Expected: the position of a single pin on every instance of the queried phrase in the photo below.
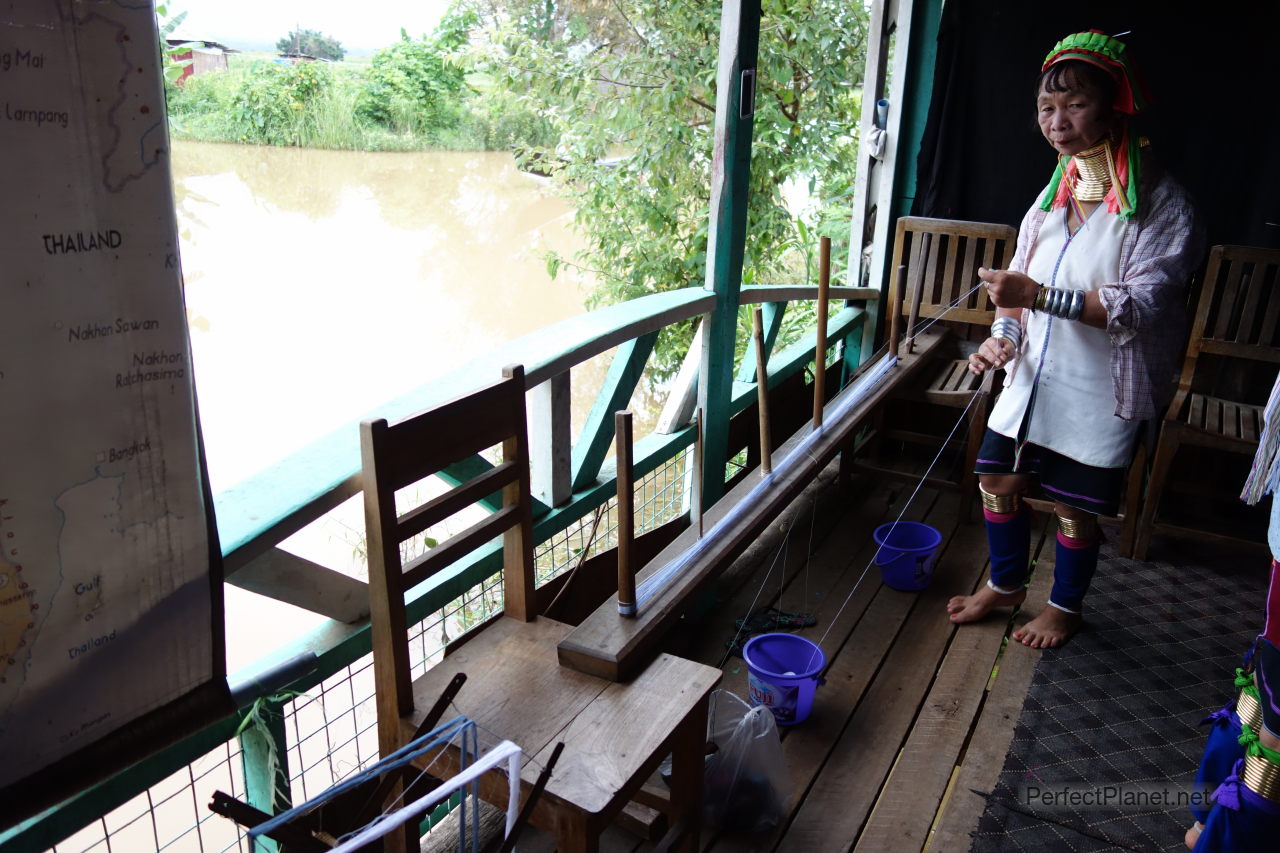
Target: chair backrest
(942, 257)
(1238, 315)
(399, 455)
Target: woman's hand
(1009, 289)
(994, 353)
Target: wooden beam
(294, 580)
(765, 293)
(773, 313)
(597, 433)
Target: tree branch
(643, 40)
(600, 78)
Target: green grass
(204, 109)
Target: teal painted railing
(257, 514)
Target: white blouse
(1073, 412)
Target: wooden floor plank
(906, 696)
(984, 758)
(937, 738)
(861, 636)
(837, 806)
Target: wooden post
(550, 445)
(762, 393)
(820, 351)
(895, 310)
(626, 515)
(726, 239)
(264, 760)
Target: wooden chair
(941, 259)
(615, 735)
(1234, 329)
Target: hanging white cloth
(505, 751)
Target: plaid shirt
(1146, 308)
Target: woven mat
(1108, 740)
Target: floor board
(909, 703)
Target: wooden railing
(571, 478)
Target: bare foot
(1193, 835)
(1050, 629)
(970, 608)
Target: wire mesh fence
(331, 729)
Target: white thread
(854, 394)
(943, 313)
(781, 550)
(652, 584)
(905, 507)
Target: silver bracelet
(1008, 328)
(1061, 302)
(1077, 305)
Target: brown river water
(320, 284)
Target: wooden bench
(615, 735)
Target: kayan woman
(1089, 327)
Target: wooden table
(615, 734)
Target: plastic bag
(746, 782)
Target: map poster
(109, 599)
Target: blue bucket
(908, 551)
(783, 671)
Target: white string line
(905, 507)
(877, 353)
(425, 770)
(808, 554)
(812, 518)
(954, 304)
(496, 737)
(782, 547)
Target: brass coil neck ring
(1262, 777)
(1002, 504)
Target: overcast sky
(358, 24)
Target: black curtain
(1215, 123)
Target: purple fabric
(1228, 794)
(1049, 488)
(1226, 712)
(1240, 822)
(1072, 574)
(1010, 546)
(1222, 750)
